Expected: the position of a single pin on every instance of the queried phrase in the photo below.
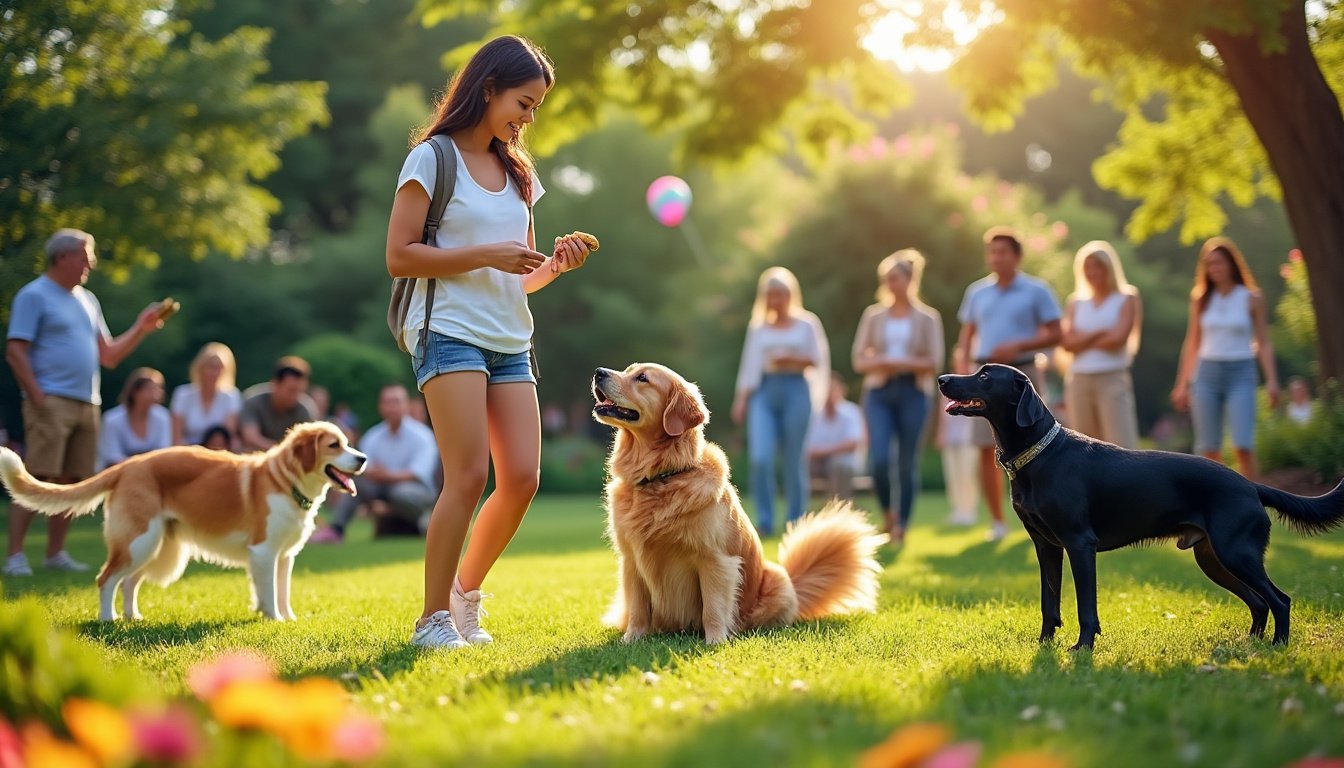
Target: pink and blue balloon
(669, 199)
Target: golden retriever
(167, 506)
(689, 556)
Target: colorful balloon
(669, 200)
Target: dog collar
(305, 503)
(1023, 459)
(663, 475)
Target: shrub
(1317, 445)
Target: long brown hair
(503, 63)
(1241, 273)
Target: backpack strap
(445, 181)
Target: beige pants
(961, 476)
(1101, 405)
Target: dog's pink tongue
(347, 484)
(951, 404)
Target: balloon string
(693, 240)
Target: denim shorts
(1223, 392)
(449, 355)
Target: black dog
(1082, 496)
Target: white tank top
(897, 334)
(1225, 326)
(1090, 317)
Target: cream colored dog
(689, 556)
(165, 507)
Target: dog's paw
(632, 634)
(289, 616)
(716, 638)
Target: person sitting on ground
(403, 457)
(268, 414)
(836, 440)
(218, 438)
(1300, 405)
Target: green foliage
(572, 465)
(354, 371)
(41, 667)
(1295, 320)
(119, 121)
(1317, 445)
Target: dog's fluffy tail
(830, 557)
(1308, 514)
(48, 498)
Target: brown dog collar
(1024, 458)
(661, 476)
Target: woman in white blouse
(782, 380)
(1226, 334)
(899, 348)
(211, 399)
(1101, 330)
(139, 424)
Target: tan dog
(167, 506)
(689, 556)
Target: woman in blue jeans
(781, 382)
(1225, 337)
(898, 348)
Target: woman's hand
(1180, 397)
(515, 258)
(1272, 389)
(739, 411)
(570, 253)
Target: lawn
(1173, 681)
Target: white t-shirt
(804, 337)
(896, 335)
(411, 448)
(485, 307)
(846, 426)
(196, 419)
(118, 442)
(1226, 327)
(1090, 317)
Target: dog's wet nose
(602, 373)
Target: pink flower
(11, 746)
(1295, 255)
(952, 129)
(210, 677)
(1318, 762)
(1037, 243)
(357, 738)
(979, 203)
(878, 147)
(926, 147)
(963, 755)
(171, 736)
(1286, 271)
(955, 220)
(901, 146)
(1060, 230)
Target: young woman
(139, 423)
(211, 399)
(783, 378)
(1226, 334)
(475, 373)
(899, 349)
(1101, 331)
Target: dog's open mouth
(957, 407)
(605, 407)
(342, 480)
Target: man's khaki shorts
(61, 438)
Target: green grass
(1173, 681)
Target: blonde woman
(899, 349)
(1101, 329)
(1226, 334)
(782, 380)
(211, 399)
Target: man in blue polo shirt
(1006, 317)
(57, 339)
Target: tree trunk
(1298, 120)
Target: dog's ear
(1030, 409)
(684, 410)
(306, 450)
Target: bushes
(572, 464)
(1317, 445)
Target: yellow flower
(316, 708)
(261, 704)
(100, 729)
(907, 747)
(1031, 760)
(46, 751)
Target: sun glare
(886, 39)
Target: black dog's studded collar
(1024, 458)
(305, 503)
(663, 475)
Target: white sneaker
(997, 531)
(62, 561)
(17, 565)
(437, 631)
(467, 613)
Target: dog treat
(588, 240)
(168, 307)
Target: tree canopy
(118, 120)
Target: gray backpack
(403, 288)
